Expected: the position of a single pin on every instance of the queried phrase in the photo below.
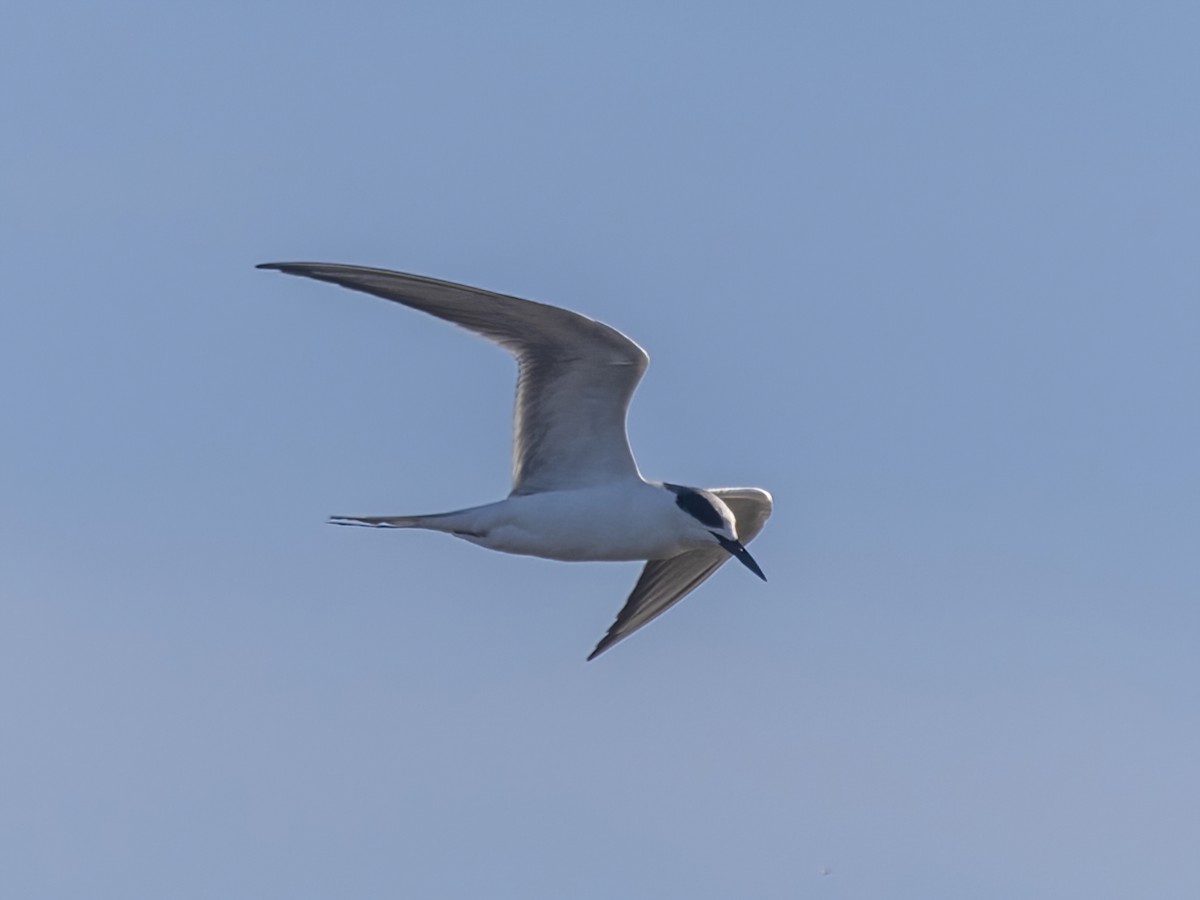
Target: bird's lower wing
(665, 582)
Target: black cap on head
(696, 505)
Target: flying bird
(577, 493)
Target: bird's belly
(577, 526)
(577, 546)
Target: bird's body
(619, 521)
(577, 493)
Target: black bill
(735, 548)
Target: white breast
(629, 521)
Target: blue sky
(925, 271)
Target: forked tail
(383, 521)
(462, 523)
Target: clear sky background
(926, 271)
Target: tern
(576, 493)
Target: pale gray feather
(575, 376)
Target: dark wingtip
(605, 642)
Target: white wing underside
(575, 376)
(665, 582)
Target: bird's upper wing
(665, 582)
(575, 375)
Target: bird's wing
(575, 375)
(665, 582)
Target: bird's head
(714, 522)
